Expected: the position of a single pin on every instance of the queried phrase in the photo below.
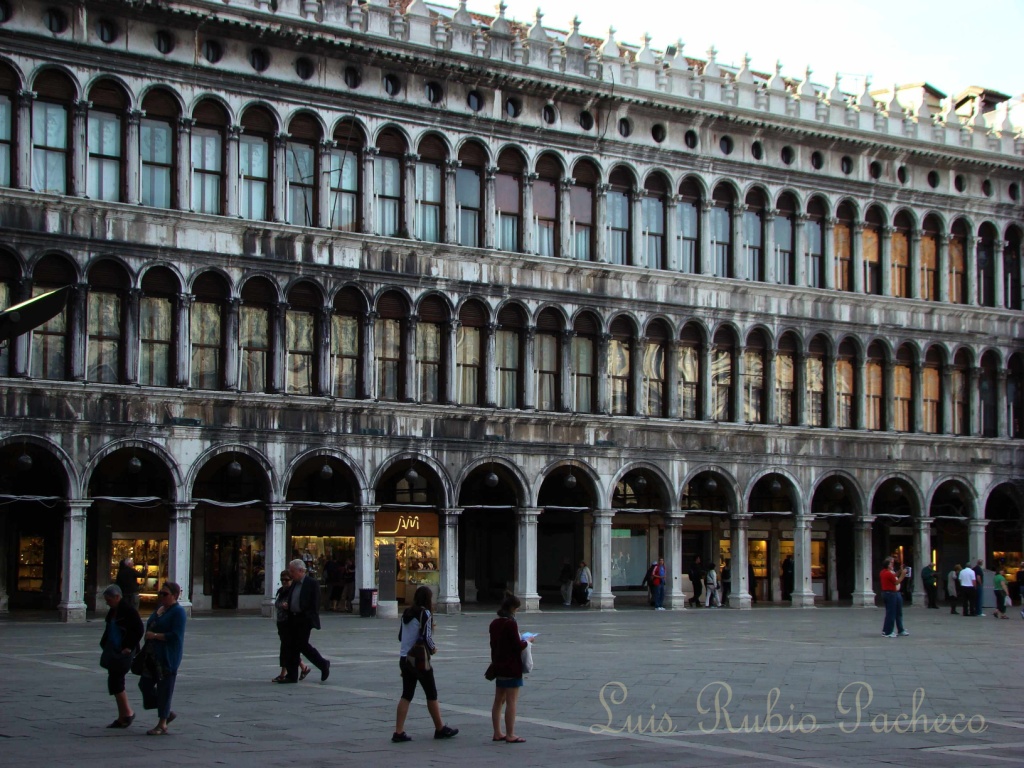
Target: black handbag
(144, 663)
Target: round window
(960, 182)
(933, 179)
(352, 77)
(164, 41)
(690, 139)
(212, 51)
(875, 169)
(901, 174)
(548, 114)
(586, 120)
(5, 12)
(788, 155)
(725, 144)
(259, 58)
(392, 85)
(757, 150)
(513, 107)
(986, 187)
(55, 20)
(625, 127)
(433, 92)
(817, 160)
(106, 30)
(1014, 191)
(304, 68)
(474, 101)
(846, 164)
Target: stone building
(353, 274)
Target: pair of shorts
(424, 677)
(508, 682)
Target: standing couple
(298, 614)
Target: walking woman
(417, 637)
(507, 665)
(119, 642)
(281, 607)
(165, 633)
(999, 584)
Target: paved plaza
(704, 687)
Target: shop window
(234, 565)
(416, 552)
(149, 556)
(630, 547)
(30, 563)
(301, 184)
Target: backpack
(653, 576)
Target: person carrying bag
(120, 642)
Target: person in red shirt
(890, 580)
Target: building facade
(358, 274)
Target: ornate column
(857, 255)
(860, 395)
(675, 600)
(276, 559)
(923, 547)
(739, 562)
(366, 187)
(179, 552)
(603, 394)
(529, 227)
(322, 340)
(800, 387)
(885, 257)
(917, 398)
(705, 390)
(888, 403)
(279, 192)
(132, 119)
(828, 404)
(770, 406)
(707, 258)
(803, 593)
(672, 377)
(600, 223)
(183, 164)
(863, 587)
(974, 401)
(489, 211)
(450, 347)
(448, 589)
(737, 267)
(1002, 421)
(636, 257)
(451, 210)
(998, 274)
(946, 403)
(490, 379)
(410, 205)
(771, 271)
(234, 136)
(131, 336)
(565, 371)
(601, 565)
(737, 395)
(23, 158)
(410, 390)
(323, 182)
(976, 542)
(564, 245)
(673, 250)
(369, 367)
(942, 257)
(799, 222)
(971, 270)
(72, 583)
(21, 290)
(231, 344)
(366, 520)
(529, 374)
(914, 263)
(637, 405)
(78, 329)
(828, 253)
(526, 557)
(183, 361)
(79, 148)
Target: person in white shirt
(968, 594)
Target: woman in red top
(890, 583)
(507, 664)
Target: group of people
(156, 662)
(710, 590)
(964, 587)
(416, 635)
(576, 585)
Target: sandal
(157, 731)
(305, 671)
(119, 723)
(515, 740)
(279, 679)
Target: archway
(893, 532)
(487, 527)
(1003, 534)
(833, 504)
(705, 502)
(566, 496)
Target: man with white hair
(303, 617)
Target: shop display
(150, 557)
(30, 564)
(416, 564)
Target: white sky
(950, 44)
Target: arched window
(903, 390)
(846, 386)
(10, 84)
(929, 257)
(508, 198)
(842, 244)
(785, 380)
(988, 395)
(430, 349)
(655, 255)
(108, 284)
(690, 344)
(469, 353)
(508, 356)
(900, 254)
(931, 394)
(208, 157)
(49, 341)
(346, 343)
(105, 179)
(654, 401)
(753, 378)
(721, 376)
(721, 231)
(814, 382)
(618, 219)
(51, 132)
(302, 170)
(987, 265)
(620, 371)
(960, 394)
(688, 211)
(158, 150)
(388, 183)
(259, 297)
(206, 331)
(346, 178)
(753, 236)
(785, 246)
(301, 343)
(1011, 269)
(255, 164)
(1015, 397)
(874, 397)
(546, 191)
(814, 232)
(469, 193)
(157, 327)
(584, 363)
(871, 247)
(430, 189)
(958, 262)
(581, 210)
(547, 355)
(389, 337)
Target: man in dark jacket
(696, 575)
(128, 581)
(303, 618)
(979, 605)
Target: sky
(941, 42)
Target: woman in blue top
(165, 631)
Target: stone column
(946, 402)
(23, 158)
(675, 600)
(771, 271)
(179, 552)
(603, 394)
(448, 589)
(942, 257)
(369, 351)
(408, 212)
(232, 352)
(917, 398)
(276, 559)
(888, 392)
(705, 391)
(183, 164)
(133, 119)
(803, 592)
(707, 258)
(857, 256)
(832, 582)
(736, 266)
(636, 257)
(971, 270)
(564, 246)
(322, 342)
(863, 588)
(740, 597)
(770, 406)
(451, 212)
(365, 574)
(489, 211)
(526, 558)
(739, 374)
(449, 346)
(914, 263)
(600, 222)
(234, 137)
(923, 546)
(528, 245)
(800, 387)
(974, 401)
(565, 371)
(409, 389)
(79, 148)
(672, 378)
(860, 393)
(601, 560)
(490, 379)
(799, 223)
(323, 182)
(279, 179)
(673, 249)
(1002, 419)
(775, 563)
(72, 583)
(529, 369)
(885, 259)
(21, 290)
(637, 403)
(131, 336)
(78, 307)
(976, 542)
(366, 198)
(999, 300)
(183, 359)
(828, 404)
(828, 253)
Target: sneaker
(397, 738)
(904, 633)
(445, 733)
(890, 634)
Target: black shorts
(425, 679)
(115, 679)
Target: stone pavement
(631, 687)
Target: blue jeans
(659, 595)
(157, 694)
(893, 612)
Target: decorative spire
(866, 101)
(462, 17)
(894, 108)
(745, 75)
(777, 82)
(574, 40)
(646, 55)
(836, 94)
(711, 68)
(806, 89)
(537, 32)
(609, 48)
(949, 115)
(500, 25)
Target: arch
(550, 165)
(392, 139)
(883, 491)
(259, 288)
(474, 152)
(550, 318)
(217, 455)
(55, 82)
(307, 467)
(512, 159)
(351, 298)
(110, 92)
(12, 77)
(646, 470)
(305, 125)
(586, 171)
(161, 101)
(433, 146)
(211, 109)
(109, 272)
(305, 292)
(510, 472)
(761, 495)
(41, 474)
(164, 460)
(725, 488)
(552, 481)
(434, 307)
(393, 303)
(851, 490)
(414, 459)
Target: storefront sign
(406, 524)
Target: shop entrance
(33, 542)
(234, 566)
(487, 545)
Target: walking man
(891, 581)
(967, 592)
(696, 581)
(303, 618)
(979, 583)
